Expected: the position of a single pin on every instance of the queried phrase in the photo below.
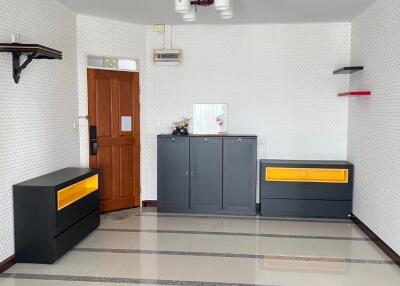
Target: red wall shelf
(355, 93)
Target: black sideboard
(298, 188)
(54, 212)
(207, 174)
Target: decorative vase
(180, 131)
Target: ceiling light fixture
(182, 6)
(222, 4)
(189, 8)
(191, 15)
(227, 13)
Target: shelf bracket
(17, 67)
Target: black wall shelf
(348, 70)
(31, 51)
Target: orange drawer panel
(311, 175)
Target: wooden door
(113, 106)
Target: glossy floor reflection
(141, 247)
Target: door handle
(94, 147)
(93, 140)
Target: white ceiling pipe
(226, 14)
(222, 4)
(191, 15)
(182, 6)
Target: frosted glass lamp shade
(182, 6)
(226, 14)
(222, 4)
(191, 15)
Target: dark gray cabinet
(173, 174)
(200, 174)
(240, 175)
(205, 174)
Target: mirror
(210, 118)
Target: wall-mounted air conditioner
(167, 57)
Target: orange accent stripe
(75, 192)
(312, 175)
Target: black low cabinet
(52, 213)
(301, 188)
(200, 174)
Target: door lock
(93, 140)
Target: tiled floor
(141, 247)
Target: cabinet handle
(173, 139)
(206, 139)
(192, 173)
(240, 140)
(187, 173)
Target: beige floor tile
(371, 275)
(28, 282)
(221, 224)
(234, 270)
(233, 244)
(166, 267)
(293, 276)
(285, 272)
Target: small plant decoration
(181, 127)
(220, 121)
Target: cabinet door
(240, 175)
(206, 174)
(173, 174)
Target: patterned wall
(97, 36)
(276, 79)
(37, 115)
(374, 123)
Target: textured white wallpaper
(374, 122)
(276, 79)
(37, 115)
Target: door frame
(137, 131)
(114, 57)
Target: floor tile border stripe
(345, 221)
(117, 280)
(236, 255)
(270, 235)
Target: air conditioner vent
(167, 57)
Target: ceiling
(246, 11)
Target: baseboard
(377, 240)
(149, 203)
(8, 263)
